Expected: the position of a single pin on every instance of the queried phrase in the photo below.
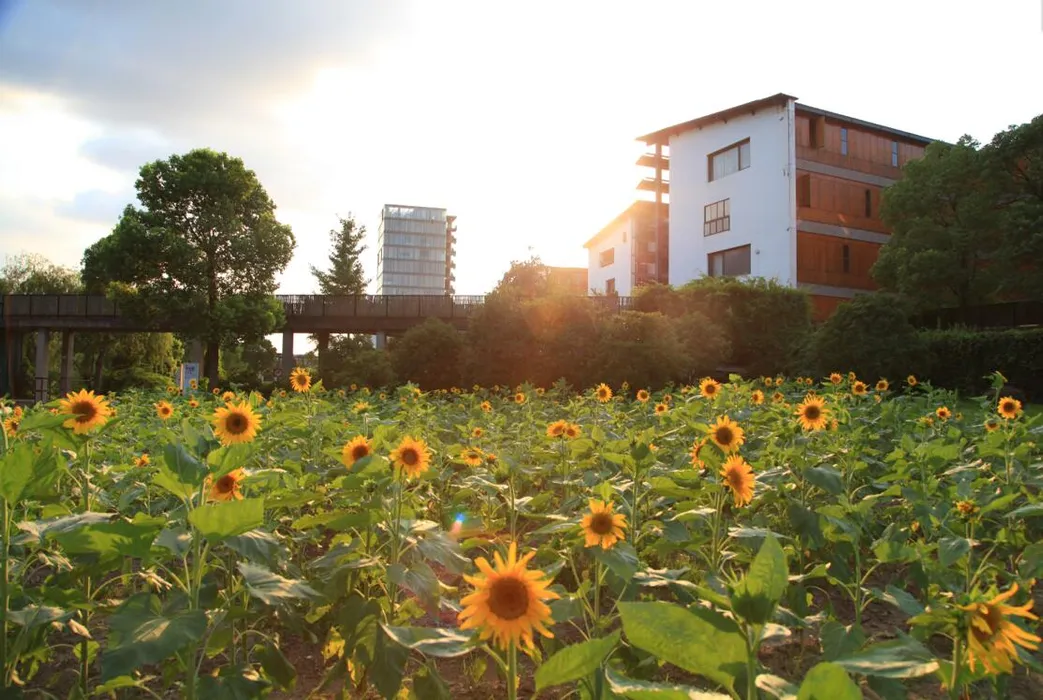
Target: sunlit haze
(519, 118)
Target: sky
(519, 118)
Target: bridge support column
(288, 362)
(322, 348)
(380, 341)
(12, 364)
(195, 352)
(65, 385)
(43, 364)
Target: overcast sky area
(519, 118)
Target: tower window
(843, 141)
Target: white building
(415, 249)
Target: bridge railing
(51, 305)
(387, 305)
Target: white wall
(763, 204)
(619, 236)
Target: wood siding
(868, 151)
(820, 260)
(833, 200)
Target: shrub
(870, 335)
(500, 345)
(565, 335)
(962, 359)
(706, 345)
(429, 355)
(639, 348)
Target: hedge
(962, 359)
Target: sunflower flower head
(697, 448)
(235, 423)
(727, 434)
(519, 398)
(472, 457)
(966, 508)
(142, 460)
(11, 426)
(992, 635)
(709, 388)
(487, 407)
(572, 431)
(911, 380)
(859, 388)
(226, 488)
(164, 410)
(300, 380)
(411, 456)
(943, 413)
(738, 477)
(661, 408)
(642, 395)
(882, 385)
(836, 378)
(556, 429)
(192, 403)
(355, 449)
(601, 526)
(1009, 407)
(603, 392)
(757, 397)
(509, 601)
(991, 424)
(477, 432)
(812, 413)
(87, 410)
(228, 396)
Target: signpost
(188, 372)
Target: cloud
(96, 206)
(31, 226)
(126, 151)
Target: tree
(429, 355)
(29, 273)
(946, 241)
(352, 359)
(205, 246)
(345, 276)
(526, 279)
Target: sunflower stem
(957, 658)
(512, 672)
(597, 597)
(5, 518)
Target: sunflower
(477, 433)
(709, 388)
(540, 391)
(738, 476)
(171, 389)
(226, 488)
(883, 385)
(757, 397)
(836, 378)
(661, 408)
(727, 434)
(11, 426)
(943, 413)
(235, 423)
(911, 380)
(966, 508)
(852, 376)
(601, 526)
(143, 460)
(164, 410)
(411, 456)
(572, 430)
(859, 388)
(192, 403)
(355, 449)
(519, 398)
(991, 634)
(228, 396)
(642, 395)
(486, 406)
(472, 457)
(799, 381)
(87, 410)
(215, 391)
(1009, 407)
(697, 447)
(603, 393)
(878, 398)
(193, 384)
(557, 428)
(625, 386)
(508, 601)
(991, 424)
(778, 381)
(812, 413)
(300, 380)
(360, 406)
(490, 458)
(668, 399)
(778, 397)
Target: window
(843, 141)
(817, 132)
(717, 217)
(729, 263)
(607, 257)
(894, 153)
(869, 204)
(846, 258)
(728, 160)
(804, 190)
(610, 286)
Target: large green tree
(29, 273)
(345, 275)
(945, 246)
(201, 252)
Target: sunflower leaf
(828, 681)
(216, 521)
(621, 559)
(575, 662)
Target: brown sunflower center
(735, 479)
(508, 598)
(84, 411)
(601, 523)
(359, 451)
(1007, 407)
(812, 412)
(410, 456)
(992, 616)
(226, 484)
(710, 390)
(723, 435)
(236, 423)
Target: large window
(607, 257)
(728, 160)
(717, 217)
(729, 263)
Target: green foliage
(429, 355)
(565, 333)
(353, 360)
(345, 275)
(639, 348)
(248, 364)
(870, 335)
(500, 344)
(29, 273)
(962, 359)
(524, 280)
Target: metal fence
(1013, 314)
(57, 305)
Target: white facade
(762, 196)
(619, 238)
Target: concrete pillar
(380, 341)
(322, 348)
(288, 362)
(68, 354)
(43, 363)
(13, 366)
(195, 352)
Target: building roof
(663, 135)
(641, 207)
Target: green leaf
(428, 685)
(226, 458)
(621, 559)
(756, 596)
(439, 547)
(144, 635)
(889, 551)
(952, 549)
(256, 546)
(826, 478)
(1027, 511)
(37, 531)
(779, 688)
(901, 600)
(419, 579)
(902, 658)
(575, 662)
(838, 640)
(272, 588)
(117, 538)
(33, 616)
(388, 664)
(1031, 564)
(17, 472)
(277, 666)
(828, 681)
(340, 520)
(175, 539)
(431, 641)
(216, 521)
(119, 683)
(184, 468)
(233, 684)
(699, 641)
(645, 690)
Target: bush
(500, 345)
(706, 345)
(639, 348)
(352, 359)
(429, 355)
(961, 359)
(870, 335)
(565, 336)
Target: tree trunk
(210, 362)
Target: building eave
(869, 126)
(663, 135)
(629, 212)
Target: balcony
(649, 160)
(649, 184)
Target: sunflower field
(789, 538)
